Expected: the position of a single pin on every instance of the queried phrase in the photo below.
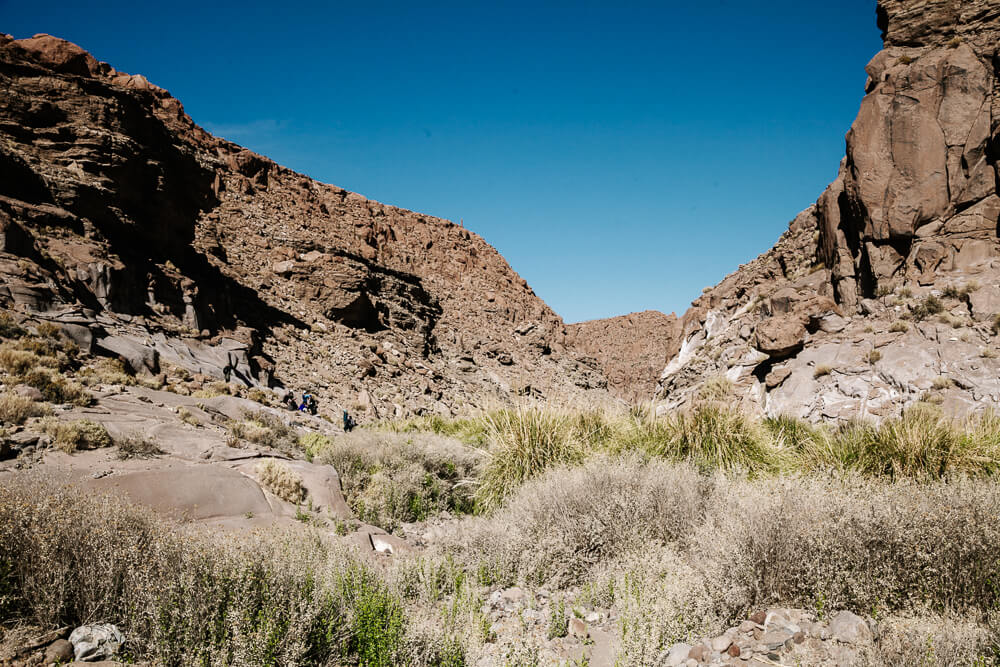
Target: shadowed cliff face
(121, 216)
(835, 320)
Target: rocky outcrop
(883, 293)
(631, 349)
(144, 237)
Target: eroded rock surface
(631, 349)
(144, 237)
(884, 292)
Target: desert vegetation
(684, 524)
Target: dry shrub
(55, 387)
(390, 479)
(661, 599)
(187, 416)
(16, 409)
(559, 527)
(851, 543)
(185, 597)
(137, 446)
(104, 370)
(9, 328)
(936, 641)
(78, 434)
(265, 429)
(855, 542)
(281, 480)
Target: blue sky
(620, 156)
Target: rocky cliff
(145, 237)
(885, 291)
(631, 349)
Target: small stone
(775, 639)
(747, 626)
(799, 637)
(593, 617)
(578, 628)
(758, 617)
(734, 650)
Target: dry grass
(716, 388)
(899, 327)
(280, 480)
(16, 409)
(78, 434)
(822, 370)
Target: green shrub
(390, 479)
(558, 621)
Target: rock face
(884, 292)
(144, 237)
(631, 349)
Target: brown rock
(779, 336)
(59, 651)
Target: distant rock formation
(144, 236)
(631, 349)
(885, 292)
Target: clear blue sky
(620, 157)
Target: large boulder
(779, 336)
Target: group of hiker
(310, 405)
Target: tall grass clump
(523, 443)
(469, 430)
(718, 438)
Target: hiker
(349, 422)
(309, 404)
(288, 400)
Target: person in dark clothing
(349, 422)
(309, 404)
(289, 401)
